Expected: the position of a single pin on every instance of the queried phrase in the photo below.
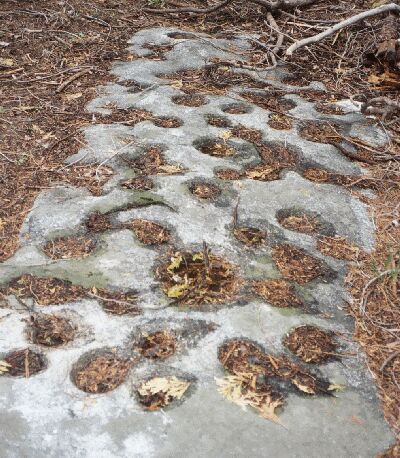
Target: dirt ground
(54, 54)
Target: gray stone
(46, 415)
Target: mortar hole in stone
(264, 378)
(50, 330)
(250, 236)
(296, 265)
(23, 363)
(158, 51)
(247, 134)
(100, 372)
(98, 222)
(149, 232)
(274, 158)
(269, 101)
(320, 132)
(280, 121)
(162, 391)
(228, 174)
(157, 345)
(182, 35)
(218, 121)
(189, 100)
(237, 108)
(312, 344)
(117, 302)
(323, 176)
(199, 278)
(69, 248)
(204, 190)
(167, 123)
(138, 184)
(329, 108)
(303, 221)
(153, 162)
(217, 148)
(44, 291)
(278, 293)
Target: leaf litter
(159, 392)
(262, 380)
(196, 278)
(312, 344)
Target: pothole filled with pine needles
(199, 278)
(116, 302)
(100, 372)
(23, 363)
(98, 222)
(158, 345)
(320, 131)
(189, 100)
(296, 265)
(44, 291)
(50, 330)
(228, 174)
(217, 148)
(262, 380)
(278, 293)
(138, 184)
(206, 191)
(162, 391)
(312, 344)
(69, 248)
(149, 232)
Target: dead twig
(341, 25)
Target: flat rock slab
(46, 414)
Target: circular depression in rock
(199, 278)
(100, 372)
(237, 108)
(311, 344)
(204, 190)
(167, 123)
(189, 100)
(24, 363)
(69, 248)
(149, 232)
(215, 147)
(163, 391)
(158, 345)
(50, 330)
(138, 184)
(218, 121)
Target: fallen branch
(341, 25)
(210, 9)
(269, 5)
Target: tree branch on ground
(271, 6)
(341, 25)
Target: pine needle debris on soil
(205, 190)
(138, 184)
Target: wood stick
(341, 25)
